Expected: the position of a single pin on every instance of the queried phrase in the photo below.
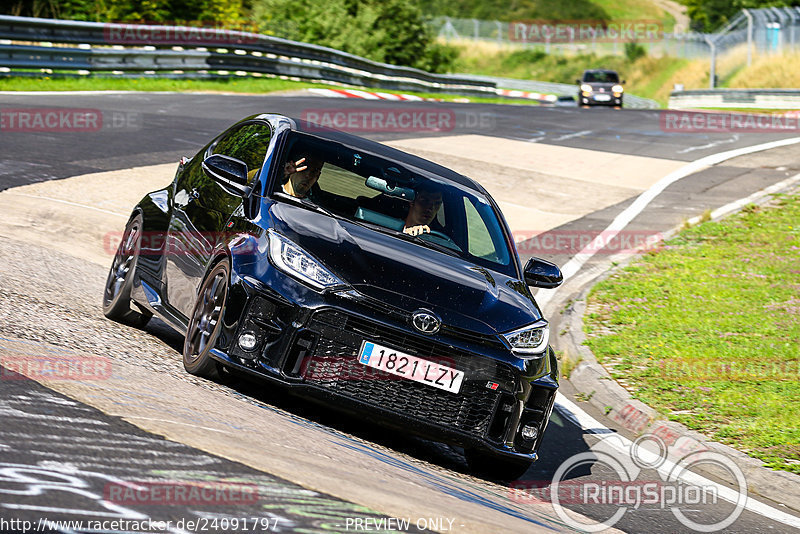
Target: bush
(392, 31)
(634, 51)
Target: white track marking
(710, 145)
(76, 204)
(571, 135)
(628, 214)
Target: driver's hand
(292, 167)
(417, 230)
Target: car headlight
(530, 341)
(617, 89)
(586, 88)
(295, 261)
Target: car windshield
(600, 76)
(383, 195)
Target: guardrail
(736, 98)
(31, 43)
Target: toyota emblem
(425, 321)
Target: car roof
(599, 70)
(381, 150)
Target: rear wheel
(117, 292)
(492, 467)
(205, 322)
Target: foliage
(391, 31)
(220, 11)
(711, 15)
(516, 10)
(634, 51)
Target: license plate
(602, 97)
(410, 367)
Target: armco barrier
(736, 98)
(92, 47)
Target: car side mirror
(228, 172)
(578, 82)
(543, 274)
(623, 81)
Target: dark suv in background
(600, 87)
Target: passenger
(300, 174)
(423, 210)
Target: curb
(604, 393)
(398, 97)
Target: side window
(248, 143)
(484, 236)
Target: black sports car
(349, 272)
(600, 87)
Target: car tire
(117, 291)
(492, 467)
(206, 321)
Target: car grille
(333, 365)
(403, 316)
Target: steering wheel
(437, 233)
(441, 236)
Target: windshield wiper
(307, 203)
(430, 244)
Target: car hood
(409, 276)
(597, 86)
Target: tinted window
(382, 195)
(601, 77)
(247, 143)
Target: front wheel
(205, 322)
(492, 467)
(117, 292)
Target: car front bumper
(312, 348)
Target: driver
(300, 174)
(423, 210)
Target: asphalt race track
(66, 447)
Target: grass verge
(245, 85)
(649, 77)
(706, 330)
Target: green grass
(636, 10)
(235, 85)
(645, 76)
(706, 330)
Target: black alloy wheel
(117, 292)
(205, 322)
